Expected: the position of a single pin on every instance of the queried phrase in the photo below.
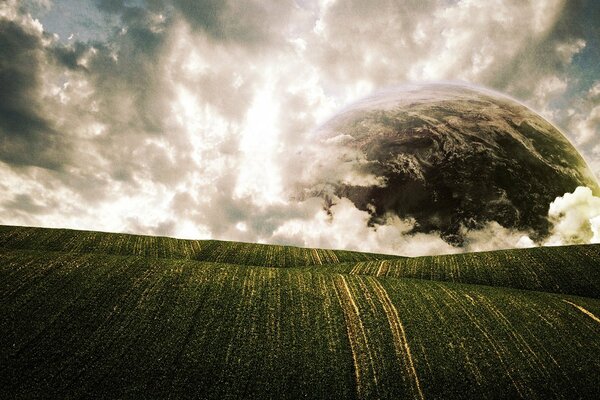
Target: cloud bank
(191, 118)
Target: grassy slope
(67, 240)
(566, 269)
(103, 325)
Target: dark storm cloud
(207, 15)
(27, 137)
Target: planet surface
(452, 158)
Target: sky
(185, 118)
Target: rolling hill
(72, 241)
(99, 315)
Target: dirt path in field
(371, 297)
(384, 266)
(583, 310)
(317, 258)
(364, 369)
(400, 341)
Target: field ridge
(562, 269)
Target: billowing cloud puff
(343, 226)
(575, 217)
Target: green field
(98, 315)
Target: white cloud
(566, 50)
(586, 127)
(347, 227)
(259, 174)
(548, 88)
(550, 85)
(494, 236)
(583, 120)
(575, 218)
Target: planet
(451, 157)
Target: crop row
(82, 325)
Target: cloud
(575, 218)
(25, 203)
(430, 40)
(493, 236)
(27, 136)
(582, 121)
(585, 122)
(343, 226)
(250, 22)
(194, 119)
